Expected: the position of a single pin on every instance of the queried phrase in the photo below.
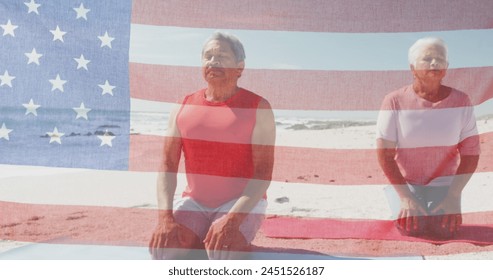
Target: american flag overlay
(65, 97)
(81, 140)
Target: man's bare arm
(167, 177)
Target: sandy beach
(302, 198)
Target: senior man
(227, 135)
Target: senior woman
(427, 145)
(226, 134)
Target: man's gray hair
(234, 43)
(420, 44)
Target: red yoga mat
(322, 228)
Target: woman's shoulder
(396, 97)
(458, 98)
(399, 93)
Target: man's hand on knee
(223, 238)
(170, 234)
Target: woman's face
(431, 64)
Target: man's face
(431, 63)
(219, 63)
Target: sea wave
(328, 124)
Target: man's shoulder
(247, 99)
(250, 94)
(194, 96)
(260, 99)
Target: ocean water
(149, 123)
(155, 123)
(81, 147)
(29, 143)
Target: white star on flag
(4, 132)
(33, 57)
(106, 40)
(31, 107)
(57, 83)
(6, 79)
(107, 88)
(81, 111)
(82, 62)
(55, 73)
(58, 34)
(55, 136)
(33, 7)
(81, 11)
(106, 139)
(8, 29)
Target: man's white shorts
(199, 218)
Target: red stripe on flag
(76, 224)
(300, 164)
(304, 89)
(317, 15)
(59, 224)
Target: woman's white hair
(420, 44)
(234, 43)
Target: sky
(309, 51)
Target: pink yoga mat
(313, 228)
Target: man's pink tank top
(217, 145)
